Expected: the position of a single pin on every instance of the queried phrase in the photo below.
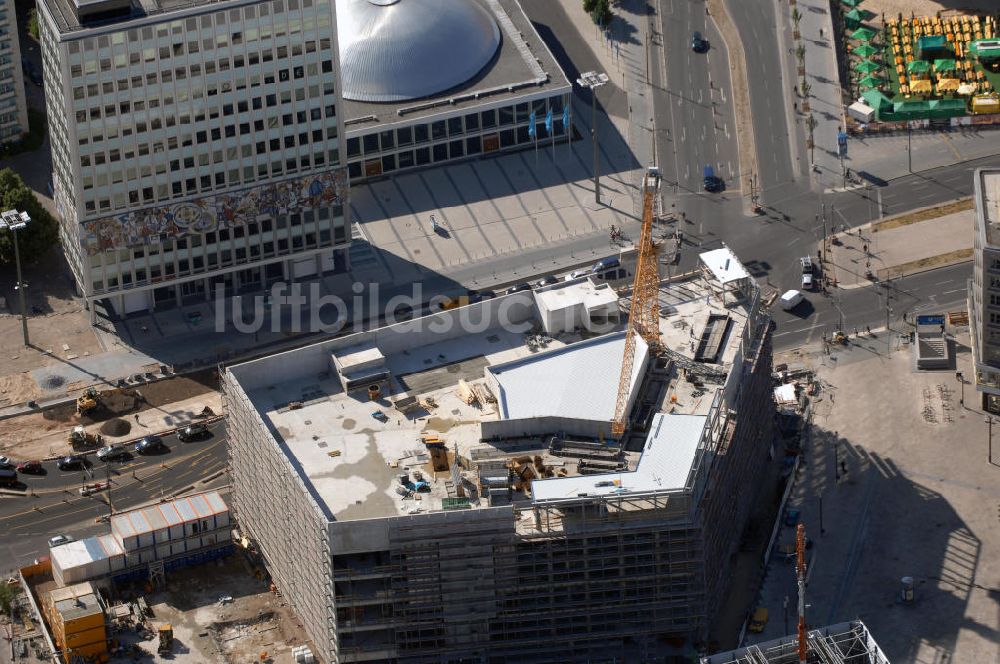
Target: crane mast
(643, 318)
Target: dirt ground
(923, 215)
(42, 435)
(57, 322)
(207, 628)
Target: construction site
(844, 643)
(524, 477)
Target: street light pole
(909, 148)
(14, 221)
(593, 80)
(989, 424)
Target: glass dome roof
(397, 50)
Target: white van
(791, 299)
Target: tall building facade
(984, 289)
(507, 530)
(13, 106)
(195, 145)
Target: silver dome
(395, 50)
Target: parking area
(895, 481)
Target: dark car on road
(150, 444)
(547, 280)
(71, 462)
(115, 452)
(193, 432)
(30, 467)
(711, 181)
(698, 43)
(33, 73)
(517, 288)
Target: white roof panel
(724, 265)
(578, 381)
(665, 465)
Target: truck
(79, 438)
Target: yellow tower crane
(644, 314)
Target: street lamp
(14, 221)
(593, 80)
(961, 379)
(989, 425)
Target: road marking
(795, 241)
(946, 281)
(804, 329)
(957, 290)
(683, 133)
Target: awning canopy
(918, 67)
(863, 34)
(866, 67)
(944, 64)
(865, 50)
(871, 81)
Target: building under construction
(448, 488)
(844, 643)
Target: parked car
(193, 432)
(112, 452)
(30, 467)
(5, 462)
(605, 265)
(71, 462)
(517, 288)
(698, 43)
(149, 444)
(547, 280)
(576, 274)
(60, 539)
(8, 477)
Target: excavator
(644, 314)
(88, 401)
(79, 438)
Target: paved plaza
(905, 487)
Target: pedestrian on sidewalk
(821, 33)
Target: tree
(796, 17)
(599, 10)
(800, 54)
(41, 233)
(7, 595)
(33, 23)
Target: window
(387, 140)
(420, 133)
(440, 152)
(506, 116)
(371, 143)
(489, 119)
(456, 149)
(437, 130)
(455, 126)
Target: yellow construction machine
(79, 438)
(88, 401)
(166, 634)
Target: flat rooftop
(988, 204)
(64, 12)
(464, 387)
(522, 66)
(578, 381)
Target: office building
(446, 489)
(984, 289)
(13, 105)
(438, 80)
(195, 145)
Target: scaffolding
(843, 643)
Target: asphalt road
(57, 506)
(756, 22)
(694, 119)
(935, 291)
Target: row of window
(440, 152)
(196, 71)
(179, 26)
(457, 126)
(178, 257)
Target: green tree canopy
(41, 233)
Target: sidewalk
(891, 251)
(826, 99)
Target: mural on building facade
(211, 213)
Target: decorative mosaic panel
(204, 215)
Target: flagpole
(568, 125)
